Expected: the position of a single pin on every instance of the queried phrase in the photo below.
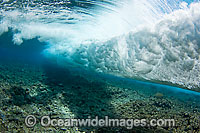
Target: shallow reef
(51, 90)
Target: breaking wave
(155, 40)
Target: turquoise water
(147, 46)
(148, 40)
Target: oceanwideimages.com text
(46, 121)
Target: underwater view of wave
(154, 40)
(135, 64)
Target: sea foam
(149, 40)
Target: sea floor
(62, 93)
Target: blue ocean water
(31, 52)
(149, 45)
(156, 41)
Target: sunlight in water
(155, 40)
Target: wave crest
(163, 50)
(167, 52)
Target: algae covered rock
(19, 96)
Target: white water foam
(165, 48)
